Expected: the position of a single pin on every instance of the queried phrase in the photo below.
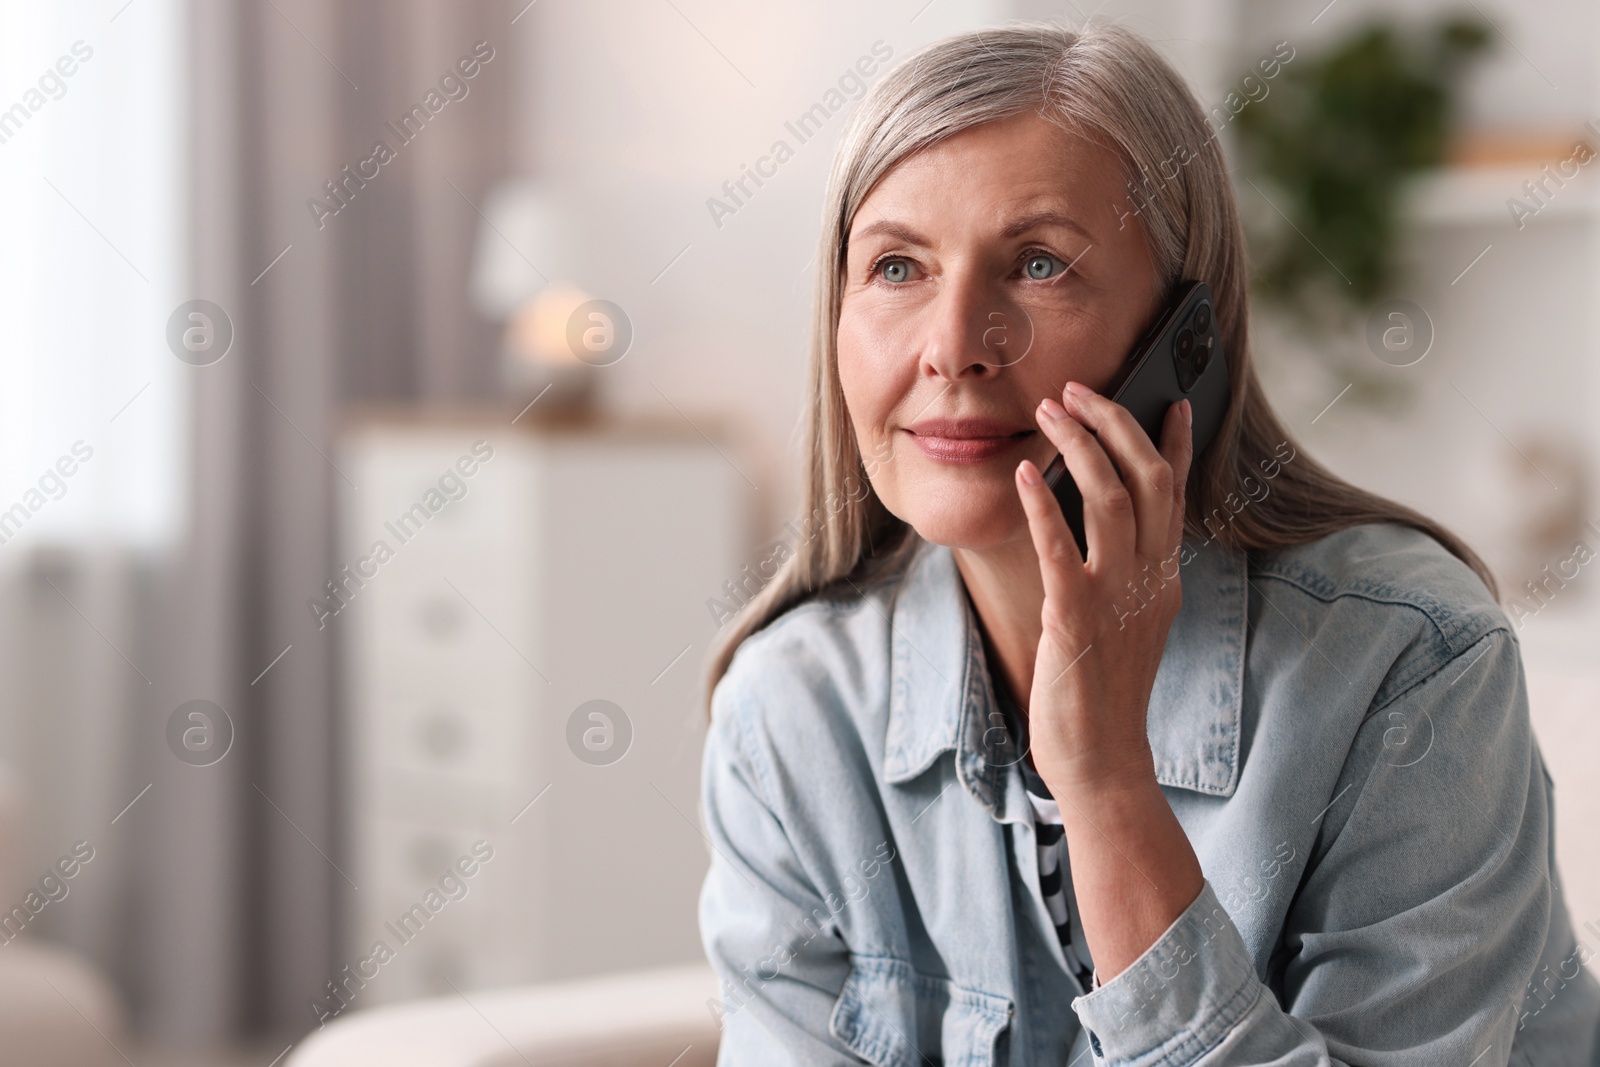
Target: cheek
(873, 384)
(869, 376)
(1074, 347)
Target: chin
(971, 516)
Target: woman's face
(983, 274)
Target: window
(92, 254)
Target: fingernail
(1079, 389)
(1052, 411)
(1188, 412)
(1028, 472)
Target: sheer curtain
(177, 166)
(92, 438)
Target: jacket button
(1094, 1043)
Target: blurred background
(395, 399)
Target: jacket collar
(941, 698)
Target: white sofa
(55, 1009)
(656, 1018)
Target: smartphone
(1179, 356)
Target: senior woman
(1250, 781)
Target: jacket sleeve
(1411, 939)
(767, 931)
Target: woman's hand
(1105, 618)
(1133, 869)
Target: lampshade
(523, 244)
(521, 276)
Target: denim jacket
(1341, 729)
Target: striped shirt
(1055, 876)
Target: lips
(966, 440)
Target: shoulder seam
(1403, 691)
(1450, 637)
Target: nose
(970, 331)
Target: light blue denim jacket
(1342, 730)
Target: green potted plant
(1331, 150)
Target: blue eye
(896, 270)
(1041, 266)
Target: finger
(1060, 562)
(1147, 473)
(1108, 517)
(1177, 445)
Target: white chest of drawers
(492, 579)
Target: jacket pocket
(894, 1016)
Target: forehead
(987, 176)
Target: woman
(1252, 782)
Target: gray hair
(1106, 83)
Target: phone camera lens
(1202, 318)
(1185, 344)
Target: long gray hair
(1109, 83)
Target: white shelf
(1473, 196)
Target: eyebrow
(1023, 223)
(893, 229)
(1015, 228)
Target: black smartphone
(1179, 356)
